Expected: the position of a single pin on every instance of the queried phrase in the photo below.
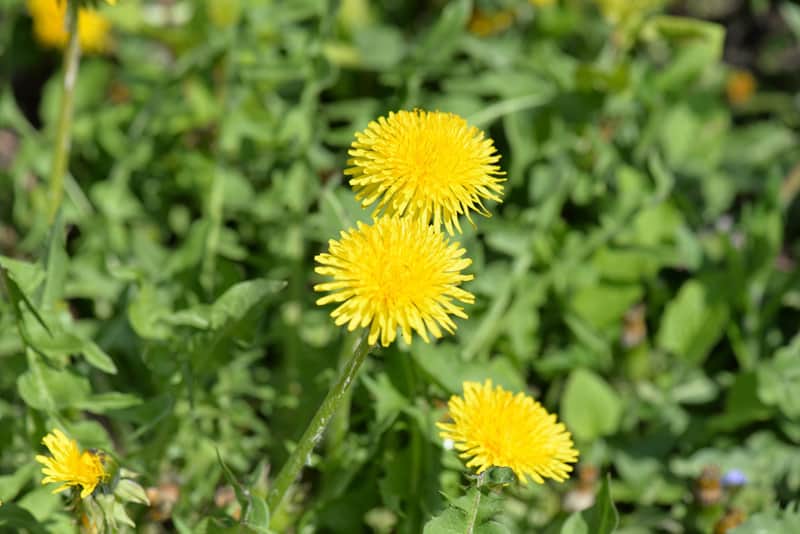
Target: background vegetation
(639, 279)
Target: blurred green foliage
(639, 279)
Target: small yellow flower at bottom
(69, 466)
(49, 25)
(395, 273)
(495, 428)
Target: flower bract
(428, 165)
(68, 466)
(49, 25)
(395, 273)
(493, 427)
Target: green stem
(64, 126)
(473, 515)
(340, 424)
(316, 428)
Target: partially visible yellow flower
(395, 273)
(495, 428)
(542, 3)
(69, 466)
(740, 87)
(428, 165)
(49, 25)
(485, 24)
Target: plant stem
(473, 515)
(316, 428)
(63, 139)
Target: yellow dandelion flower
(495, 428)
(396, 272)
(69, 466)
(49, 25)
(429, 165)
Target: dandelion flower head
(68, 466)
(49, 25)
(396, 272)
(495, 428)
(428, 165)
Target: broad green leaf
(693, 322)
(590, 407)
(575, 524)
(603, 305)
(44, 388)
(445, 366)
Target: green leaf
(590, 407)
(574, 524)
(48, 389)
(451, 521)
(603, 518)
(779, 380)
(692, 322)
(28, 276)
(445, 366)
(786, 520)
(256, 517)
(603, 305)
(97, 357)
(442, 39)
(10, 485)
(19, 519)
(238, 489)
(237, 301)
(128, 490)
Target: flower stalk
(64, 126)
(316, 428)
(473, 515)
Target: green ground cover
(639, 278)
